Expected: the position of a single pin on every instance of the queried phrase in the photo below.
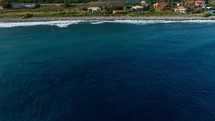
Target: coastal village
(110, 8)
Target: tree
(212, 2)
(66, 3)
(7, 4)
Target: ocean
(107, 71)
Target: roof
(143, 2)
(200, 0)
(94, 8)
(137, 6)
(156, 3)
(160, 5)
(1, 3)
(119, 11)
(181, 7)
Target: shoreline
(101, 18)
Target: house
(209, 8)
(118, 11)
(1, 4)
(199, 2)
(203, 5)
(22, 5)
(159, 6)
(94, 9)
(180, 9)
(143, 2)
(137, 8)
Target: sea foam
(143, 22)
(64, 24)
(61, 24)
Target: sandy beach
(39, 19)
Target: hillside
(72, 1)
(49, 1)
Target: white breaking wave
(61, 24)
(64, 24)
(138, 22)
(143, 22)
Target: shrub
(118, 7)
(147, 8)
(7, 5)
(152, 10)
(207, 14)
(198, 10)
(66, 4)
(37, 5)
(27, 15)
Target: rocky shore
(40, 19)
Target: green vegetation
(66, 4)
(37, 5)
(48, 1)
(7, 5)
(27, 15)
(66, 9)
(206, 14)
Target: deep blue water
(108, 72)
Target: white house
(209, 8)
(22, 5)
(93, 9)
(143, 2)
(180, 9)
(1, 4)
(137, 8)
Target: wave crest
(61, 24)
(64, 24)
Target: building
(94, 9)
(159, 6)
(118, 11)
(143, 2)
(203, 5)
(137, 8)
(1, 4)
(199, 2)
(22, 5)
(180, 9)
(209, 8)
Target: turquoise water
(108, 72)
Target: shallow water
(108, 72)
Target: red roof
(1, 3)
(119, 11)
(200, 0)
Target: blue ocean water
(108, 72)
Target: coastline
(101, 18)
